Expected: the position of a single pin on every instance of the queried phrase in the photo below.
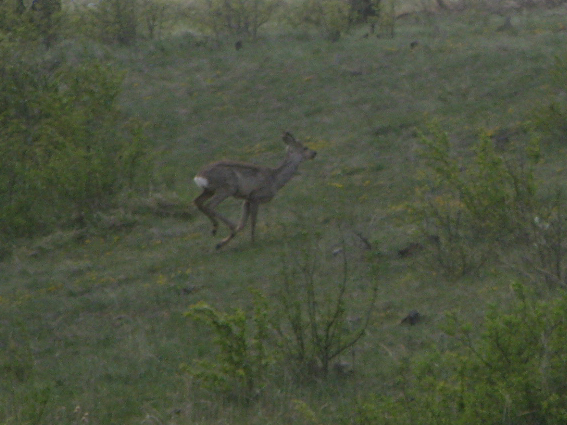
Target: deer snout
(312, 154)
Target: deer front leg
(241, 225)
(253, 214)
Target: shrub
(315, 316)
(387, 19)
(122, 21)
(551, 118)
(115, 21)
(365, 11)
(515, 371)
(545, 257)
(154, 15)
(66, 150)
(330, 17)
(46, 16)
(242, 358)
(241, 18)
(466, 208)
(22, 22)
(511, 372)
(302, 329)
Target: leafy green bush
(387, 19)
(301, 330)
(551, 117)
(365, 10)
(330, 17)
(473, 205)
(46, 16)
(65, 148)
(515, 371)
(512, 372)
(121, 22)
(545, 258)
(22, 400)
(115, 21)
(467, 207)
(18, 22)
(242, 18)
(154, 14)
(242, 360)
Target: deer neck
(285, 171)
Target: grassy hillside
(92, 322)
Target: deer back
(239, 179)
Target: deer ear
(288, 137)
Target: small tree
(242, 18)
(115, 21)
(509, 370)
(330, 17)
(365, 10)
(387, 18)
(154, 14)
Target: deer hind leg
(199, 202)
(209, 208)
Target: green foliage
(546, 259)
(30, 21)
(154, 14)
(387, 18)
(16, 23)
(21, 399)
(330, 17)
(515, 372)
(365, 10)
(242, 18)
(65, 148)
(313, 325)
(512, 373)
(104, 308)
(46, 16)
(552, 117)
(242, 361)
(115, 21)
(465, 208)
(122, 22)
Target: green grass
(96, 321)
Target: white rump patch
(201, 182)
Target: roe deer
(256, 184)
